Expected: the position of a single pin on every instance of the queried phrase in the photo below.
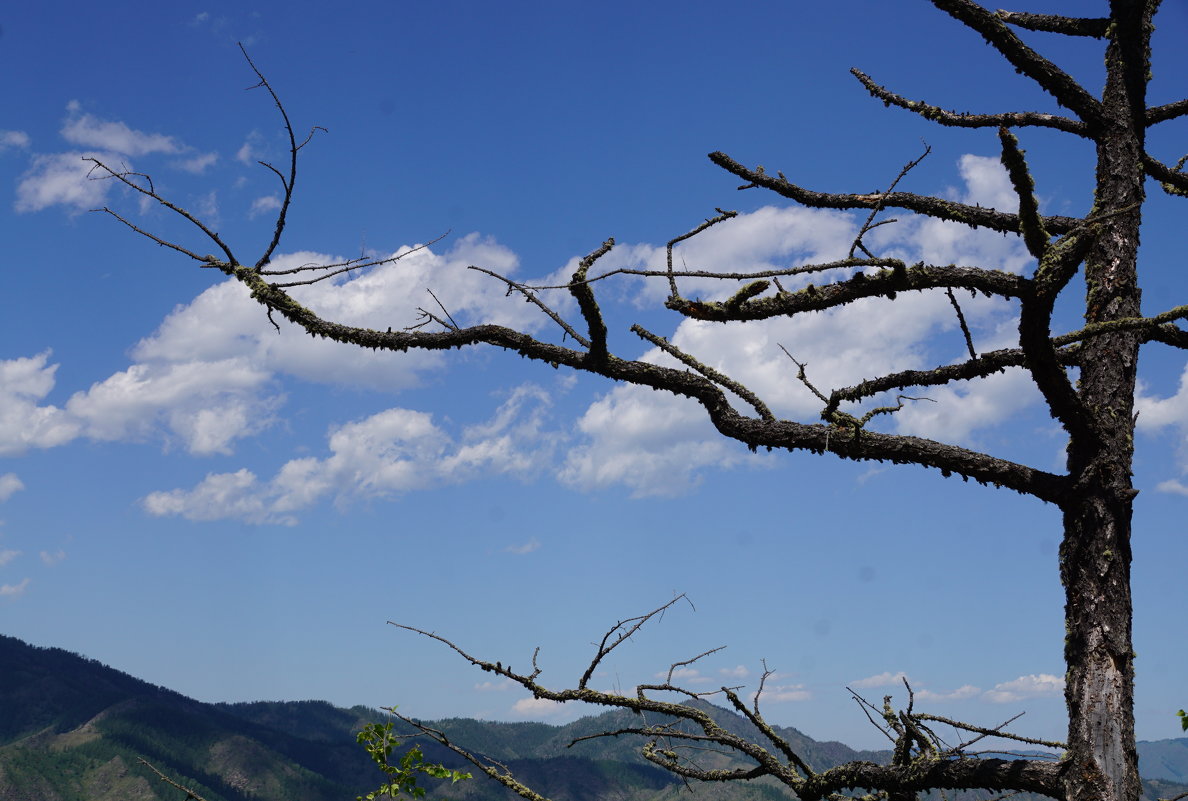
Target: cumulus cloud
(63, 179)
(736, 672)
(250, 151)
(653, 442)
(13, 139)
(209, 386)
(24, 423)
(208, 404)
(8, 556)
(89, 131)
(494, 686)
(538, 708)
(208, 377)
(1034, 685)
(263, 205)
(10, 484)
(885, 679)
(527, 547)
(657, 444)
(779, 693)
(962, 693)
(684, 675)
(68, 178)
(384, 297)
(14, 590)
(1157, 415)
(197, 164)
(386, 454)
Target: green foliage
(1183, 720)
(378, 740)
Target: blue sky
(201, 502)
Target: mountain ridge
(73, 729)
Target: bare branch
(957, 119)
(805, 269)
(870, 223)
(165, 243)
(997, 731)
(621, 632)
(937, 208)
(329, 271)
(530, 297)
(1168, 111)
(126, 179)
(1050, 78)
(1035, 236)
(886, 283)
(493, 769)
(190, 794)
(288, 183)
(722, 217)
(973, 354)
(1173, 180)
(589, 307)
(707, 371)
(1051, 23)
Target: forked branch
(670, 729)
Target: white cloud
(249, 152)
(527, 547)
(962, 693)
(658, 445)
(1157, 414)
(653, 442)
(538, 708)
(494, 686)
(218, 496)
(779, 693)
(386, 454)
(384, 297)
(886, 679)
(207, 377)
(87, 130)
(52, 558)
(263, 205)
(1034, 685)
(209, 385)
(197, 164)
(15, 139)
(684, 675)
(8, 556)
(736, 672)
(23, 423)
(208, 404)
(940, 242)
(63, 178)
(954, 412)
(13, 590)
(10, 484)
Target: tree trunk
(1095, 555)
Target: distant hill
(72, 729)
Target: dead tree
(1095, 408)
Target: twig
(961, 320)
(870, 223)
(190, 794)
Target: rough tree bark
(1095, 408)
